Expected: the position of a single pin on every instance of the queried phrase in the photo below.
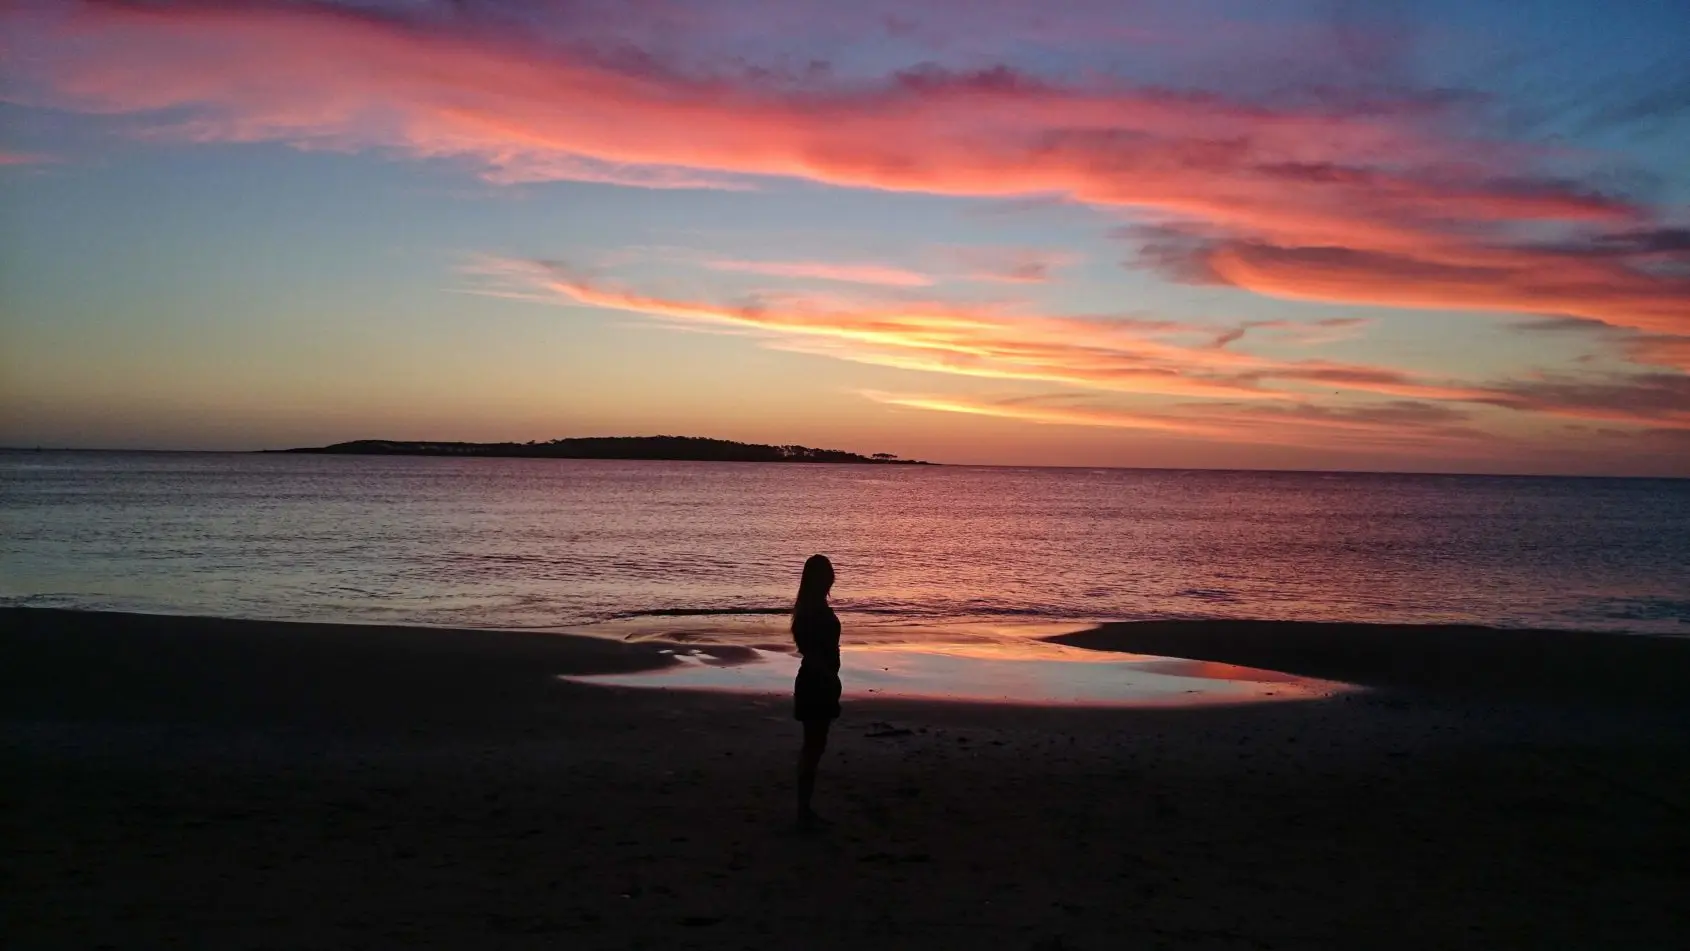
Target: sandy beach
(214, 783)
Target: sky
(1401, 236)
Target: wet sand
(1562, 668)
(248, 784)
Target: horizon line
(929, 464)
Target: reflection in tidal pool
(1045, 674)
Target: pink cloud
(1384, 177)
(944, 338)
(1528, 282)
(881, 274)
(936, 265)
(1661, 351)
(1382, 202)
(1124, 357)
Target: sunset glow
(1082, 233)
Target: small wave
(1213, 595)
(698, 612)
(843, 607)
(1641, 609)
(496, 558)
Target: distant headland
(674, 448)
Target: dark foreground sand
(220, 784)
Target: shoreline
(267, 784)
(1546, 664)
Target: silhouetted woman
(815, 694)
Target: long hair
(813, 586)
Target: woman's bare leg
(815, 743)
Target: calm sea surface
(519, 543)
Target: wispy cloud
(1009, 265)
(23, 158)
(1327, 330)
(923, 266)
(1392, 427)
(1382, 200)
(1606, 288)
(513, 168)
(852, 273)
(1065, 415)
(1097, 354)
(1122, 356)
(1661, 351)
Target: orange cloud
(1661, 351)
(1548, 283)
(933, 337)
(1129, 357)
(1408, 428)
(1657, 400)
(1061, 415)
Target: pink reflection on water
(1216, 670)
(996, 670)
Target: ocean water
(644, 548)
